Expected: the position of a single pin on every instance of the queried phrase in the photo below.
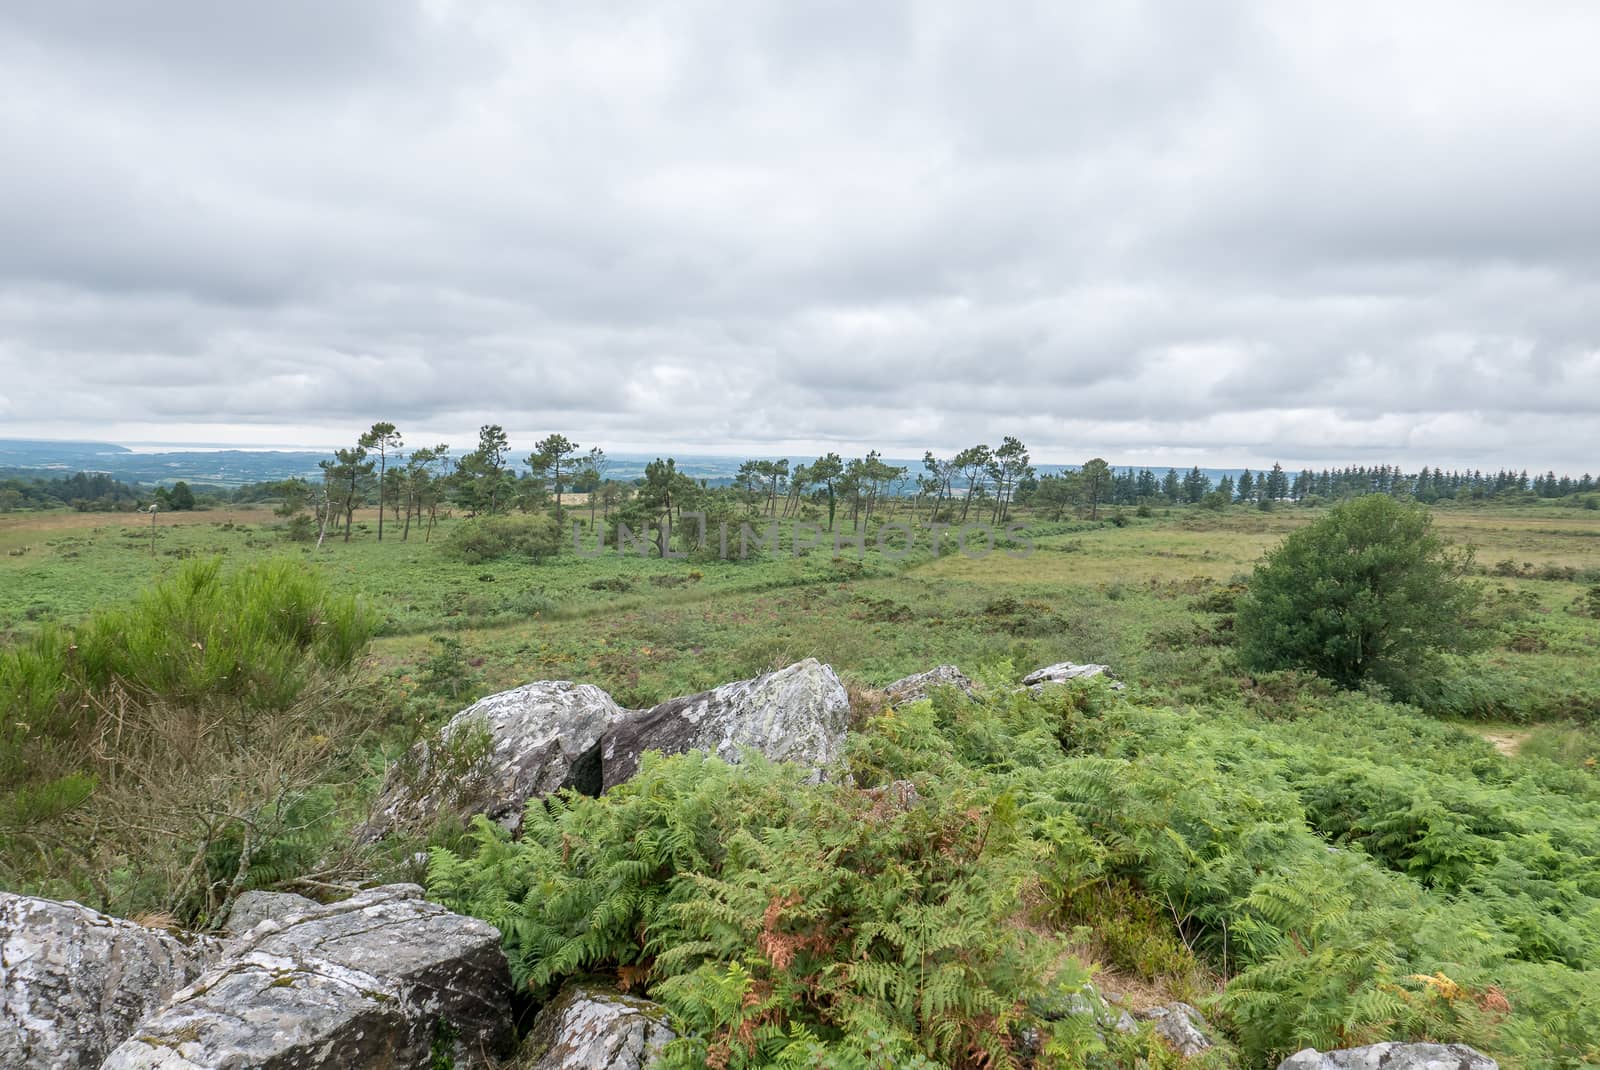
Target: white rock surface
(595, 1029)
(542, 737)
(797, 714)
(74, 982)
(384, 980)
(918, 686)
(252, 908)
(1063, 671)
(1392, 1056)
(1181, 1026)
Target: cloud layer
(1232, 232)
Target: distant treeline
(980, 481)
(97, 492)
(20, 489)
(1134, 487)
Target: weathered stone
(1088, 1002)
(1091, 1001)
(1392, 1056)
(384, 980)
(920, 685)
(895, 797)
(252, 908)
(595, 1029)
(1063, 671)
(74, 982)
(1181, 1026)
(796, 714)
(539, 738)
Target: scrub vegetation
(1349, 793)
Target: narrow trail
(1507, 743)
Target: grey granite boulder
(498, 753)
(1063, 671)
(1392, 1056)
(252, 908)
(796, 714)
(383, 980)
(918, 686)
(74, 982)
(1181, 1026)
(596, 1029)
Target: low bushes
(533, 536)
(168, 754)
(1355, 873)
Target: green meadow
(1307, 865)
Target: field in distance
(1132, 594)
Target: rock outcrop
(1181, 1026)
(1063, 671)
(384, 980)
(918, 686)
(74, 982)
(533, 741)
(498, 753)
(796, 714)
(595, 1029)
(253, 908)
(1086, 1002)
(1392, 1056)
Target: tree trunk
(383, 470)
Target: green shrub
(780, 923)
(534, 536)
(1355, 873)
(1368, 592)
(158, 744)
(300, 528)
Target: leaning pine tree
(1369, 592)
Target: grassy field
(1134, 596)
(1475, 807)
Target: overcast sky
(1220, 232)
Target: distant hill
(229, 468)
(234, 467)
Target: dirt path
(1507, 743)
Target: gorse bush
(256, 635)
(145, 747)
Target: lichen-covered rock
(74, 982)
(595, 1029)
(498, 753)
(252, 908)
(918, 686)
(384, 980)
(1063, 671)
(796, 714)
(1181, 1026)
(1087, 1002)
(1392, 1056)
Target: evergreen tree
(547, 461)
(381, 439)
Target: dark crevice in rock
(584, 775)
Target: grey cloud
(1226, 231)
